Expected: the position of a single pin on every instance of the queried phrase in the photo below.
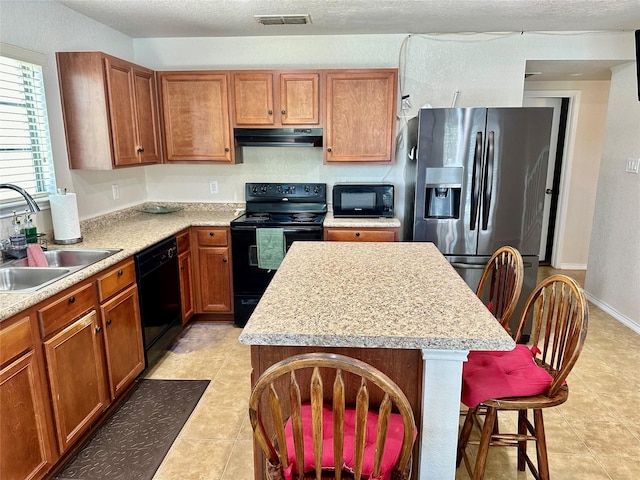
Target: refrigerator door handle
(475, 181)
(471, 266)
(488, 183)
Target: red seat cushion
(390, 456)
(513, 373)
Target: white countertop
(372, 295)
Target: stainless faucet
(31, 203)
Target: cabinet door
(215, 279)
(25, 429)
(146, 116)
(299, 98)
(75, 366)
(122, 112)
(360, 110)
(253, 98)
(195, 110)
(186, 286)
(123, 340)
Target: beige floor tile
(240, 465)
(621, 468)
(191, 459)
(607, 437)
(575, 467)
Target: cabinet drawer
(116, 280)
(216, 237)
(359, 235)
(62, 312)
(15, 340)
(183, 241)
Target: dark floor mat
(132, 443)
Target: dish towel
(35, 256)
(270, 245)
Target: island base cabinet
(25, 432)
(123, 340)
(76, 377)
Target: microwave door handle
(475, 181)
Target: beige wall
(583, 150)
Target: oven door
(249, 281)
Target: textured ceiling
(223, 18)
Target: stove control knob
(292, 189)
(307, 188)
(264, 189)
(317, 189)
(254, 189)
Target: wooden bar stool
(499, 381)
(501, 283)
(307, 432)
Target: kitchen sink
(75, 258)
(17, 276)
(28, 279)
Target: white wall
(613, 272)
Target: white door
(556, 104)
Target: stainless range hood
(278, 137)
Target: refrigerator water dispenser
(443, 192)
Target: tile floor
(595, 435)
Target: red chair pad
(390, 456)
(487, 375)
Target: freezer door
(514, 175)
(470, 268)
(450, 148)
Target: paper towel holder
(67, 241)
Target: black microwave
(362, 200)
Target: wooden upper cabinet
(109, 110)
(195, 114)
(360, 115)
(276, 99)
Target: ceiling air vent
(294, 19)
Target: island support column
(442, 382)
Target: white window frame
(40, 181)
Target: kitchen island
(398, 306)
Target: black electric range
(297, 208)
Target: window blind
(25, 146)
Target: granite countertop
(331, 222)
(372, 295)
(130, 230)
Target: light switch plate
(633, 164)
(213, 186)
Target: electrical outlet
(213, 186)
(115, 191)
(633, 164)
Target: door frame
(567, 164)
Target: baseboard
(572, 266)
(633, 325)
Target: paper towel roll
(64, 215)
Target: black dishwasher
(159, 296)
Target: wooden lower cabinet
(361, 234)
(122, 340)
(185, 266)
(215, 293)
(77, 378)
(27, 442)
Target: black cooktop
(283, 204)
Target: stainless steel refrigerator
(478, 183)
